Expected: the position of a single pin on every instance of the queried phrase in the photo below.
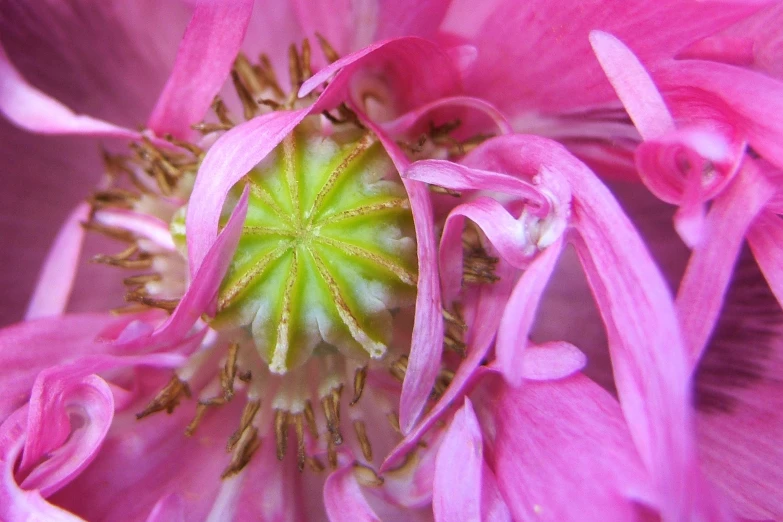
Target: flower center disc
(326, 252)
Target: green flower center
(327, 251)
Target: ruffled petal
(706, 279)
(32, 346)
(765, 238)
(56, 280)
(458, 468)
(537, 57)
(519, 314)
(564, 452)
(205, 56)
(34, 111)
(202, 293)
(64, 452)
(633, 86)
(344, 499)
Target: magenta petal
(33, 110)
(16, 503)
(765, 237)
(633, 86)
(563, 452)
(706, 279)
(55, 340)
(416, 72)
(49, 430)
(344, 499)
(407, 121)
(141, 225)
(208, 49)
(410, 17)
(458, 466)
(168, 509)
(552, 361)
(56, 280)
(520, 313)
(232, 156)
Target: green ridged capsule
(326, 252)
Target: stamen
(114, 197)
(437, 189)
(142, 263)
(112, 232)
(314, 464)
(361, 433)
(269, 75)
(399, 367)
(307, 69)
(141, 279)
(359, 379)
(248, 444)
(294, 71)
(366, 476)
(190, 147)
(168, 398)
(164, 304)
(229, 372)
(248, 102)
(221, 111)
(300, 442)
(281, 432)
(331, 453)
(207, 128)
(245, 72)
(478, 267)
(329, 52)
(310, 418)
(332, 418)
(394, 421)
(248, 414)
(454, 332)
(201, 409)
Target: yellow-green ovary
(326, 253)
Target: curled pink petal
(33, 110)
(206, 53)
(141, 225)
(415, 72)
(69, 451)
(344, 499)
(765, 238)
(563, 452)
(706, 279)
(520, 313)
(458, 468)
(201, 294)
(408, 120)
(633, 85)
(232, 156)
(56, 280)
(552, 361)
(16, 503)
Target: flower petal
(57, 275)
(16, 503)
(344, 499)
(706, 279)
(209, 46)
(231, 157)
(458, 467)
(520, 313)
(201, 295)
(49, 431)
(33, 110)
(765, 238)
(405, 122)
(633, 86)
(552, 361)
(536, 56)
(563, 452)
(168, 509)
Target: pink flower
(281, 252)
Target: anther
(207, 128)
(114, 197)
(331, 453)
(437, 189)
(314, 464)
(166, 399)
(332, 419)
(229, 371)
(307, 69)
(141, 279)
(366, 476)
(221, 111)
(294, 70)
(190, 147)
(248, 414)
(268, 72)
(394, 421)
(201, 409)
(329, 52)
(245, 376)
(112, 232)
(281, 432)
(399, 367)
(361, 433)
(300, 441)
(249, 105)
(142, 263)
(247, 74)
(247, 445)
(310, 418)
(478, 267)
(359, 379)
(169, 305)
